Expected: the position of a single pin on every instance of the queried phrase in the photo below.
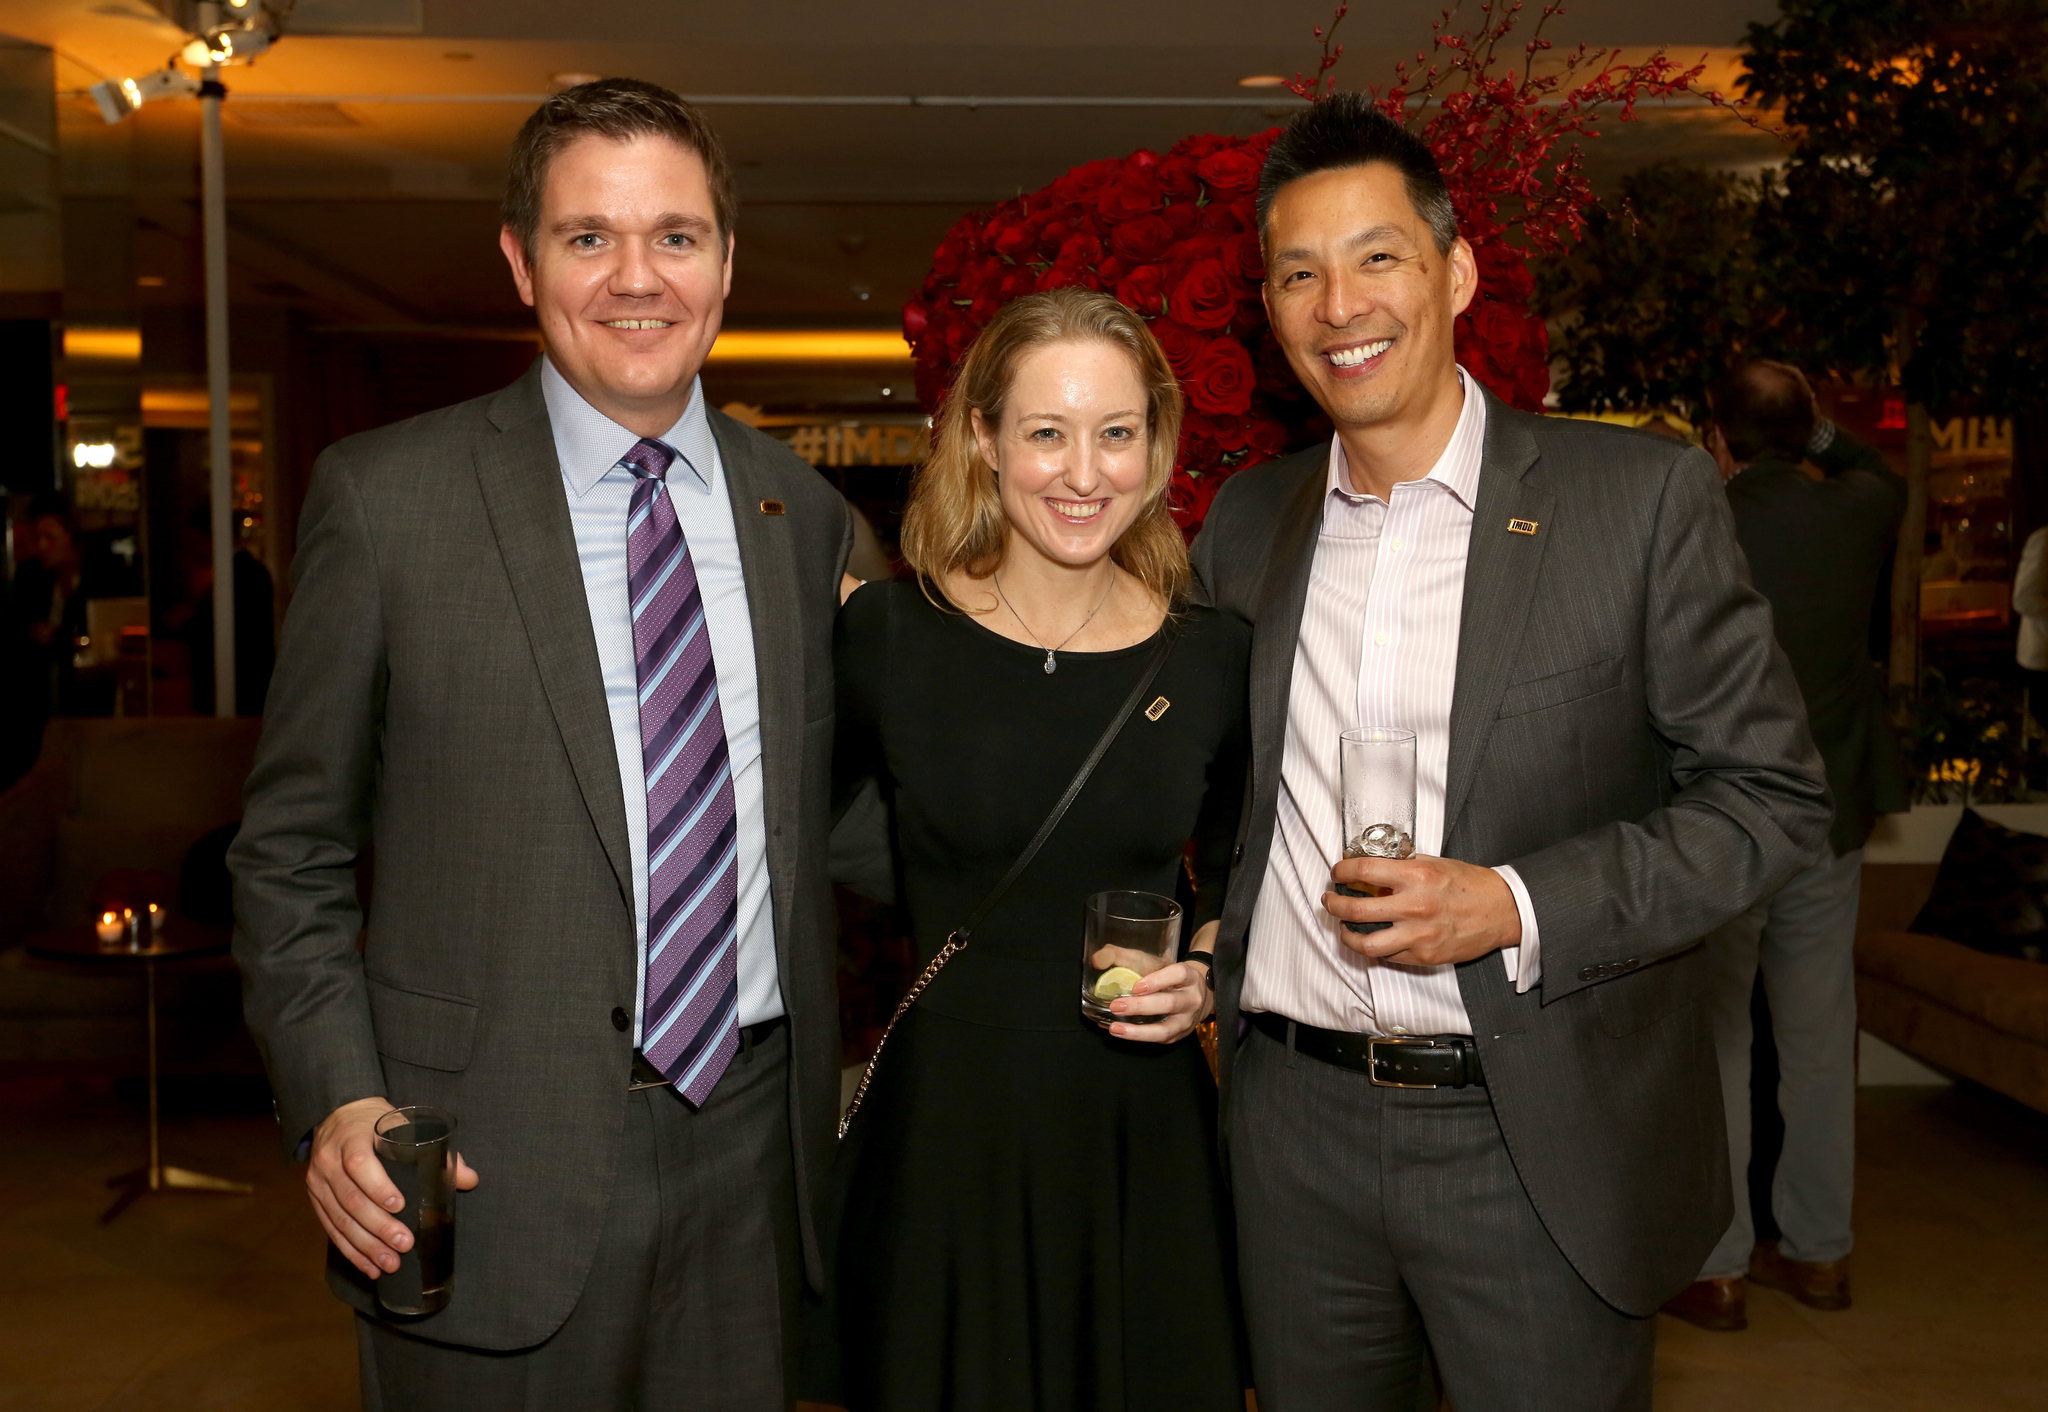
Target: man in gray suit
(1817, 551)
(1490, 1127)
(562, 657)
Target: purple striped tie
(689, 1024)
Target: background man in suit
(1816, 549)
(563, 656)
(1493, 1123)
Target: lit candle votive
(109, 927)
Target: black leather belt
(1405, 1061)
(645, 1075)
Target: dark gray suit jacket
(438, 696)
(1625, 732)
(1817, 551)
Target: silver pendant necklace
(1052, 665)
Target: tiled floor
(200, 1302)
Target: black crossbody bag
(956, 940)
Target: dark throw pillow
(1991, 893)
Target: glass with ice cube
(1377, 765)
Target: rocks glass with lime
(1129, 935)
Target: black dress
(1028, 1212)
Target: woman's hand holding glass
(1174, 998)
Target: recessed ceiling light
(574, 78)
(1261, 81)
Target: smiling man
(562, 657)
(1486, 1124)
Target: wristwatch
(1208, 963)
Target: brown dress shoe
(1720, 1305)
(1818, 1284)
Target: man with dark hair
(1484, 1124)
(563, 655)
(1816, 550)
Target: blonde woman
(1031, 1215)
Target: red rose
(1136, 194)
(1233, 434)
(1088, 181)
(1111, 269)
(1202, 245)
(1062, 276)
(1220, 218)
(1247, 208)
(1233, 171)
(1200, 145)
(1220, 382)
(1080, 249)
(1142, 160)
(1018, 281)
(946, 259)
(914, 321)
(1052, 235)
(1183, 216)
(1014, 241)
(982, 310)
(1241, 253)
(1142, 240)
(1188, 498)
(983, 274)
(1206, 296)
(959, 333)
(1143, 289)
(1198, 448)
(1268, 438)
(1179, 343)
(1178, 178)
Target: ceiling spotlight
(118, 97)
(226, 46)
(1261, 81)
(574, 78)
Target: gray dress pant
(1379, 1225)
(692, 1292)
(1803, 940)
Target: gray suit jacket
(438, 696)
(1625, 732)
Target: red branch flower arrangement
(1176, 238)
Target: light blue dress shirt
(589, 445)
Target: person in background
(1487, 1130)
(1816, 550)
(2030, 602)
(255, 620)
(49, 610)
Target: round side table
(178, 940)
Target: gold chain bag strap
(956, 940)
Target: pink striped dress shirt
(1378, 647)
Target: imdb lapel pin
(771, 507)
(1521, 527)
(1157, 709)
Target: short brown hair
(954, 521)
(617, 108)
(1765, 412)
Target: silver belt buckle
(1372, 1059)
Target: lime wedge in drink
(1115, 981)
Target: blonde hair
(954, 522)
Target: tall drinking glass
(417, 1148)
(1378, 769)
(1129, 935)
